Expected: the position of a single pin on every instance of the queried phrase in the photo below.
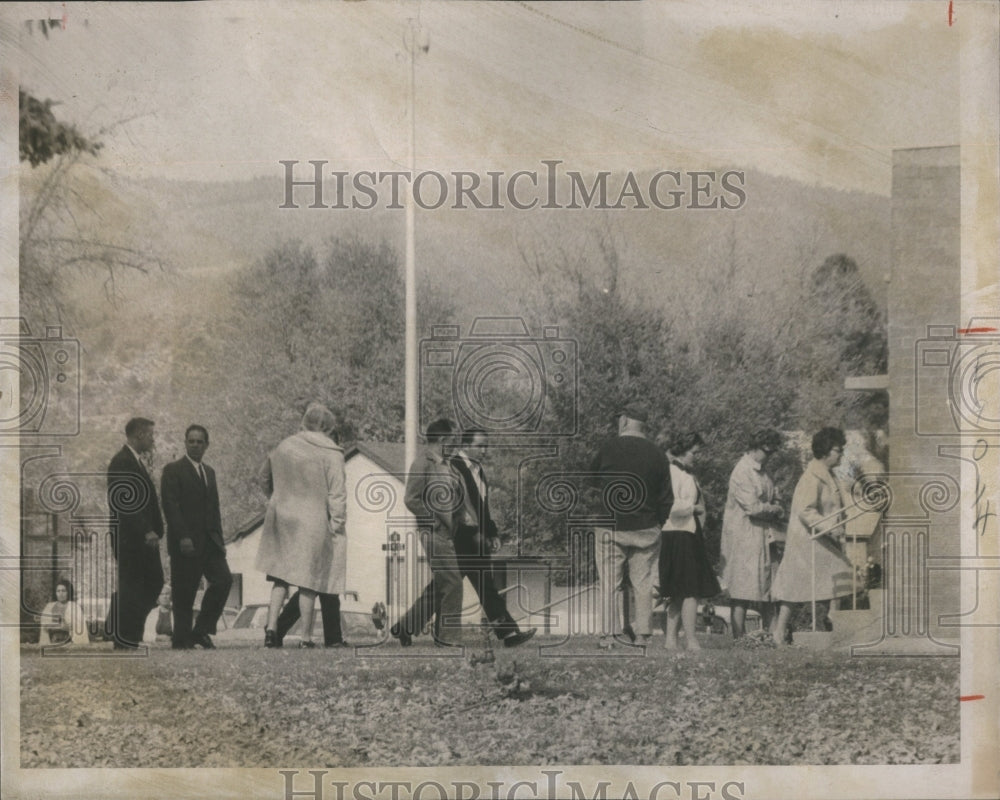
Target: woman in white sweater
(685, 572)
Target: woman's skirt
(684, 567)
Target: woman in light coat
(749, 532)
(304, 540)
(815, 506)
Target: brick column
(924, 310)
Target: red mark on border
(65, 17)
(951, 13)
(977, 330)
(966, 697)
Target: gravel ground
(384, 706)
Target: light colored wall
(375, 509)
(240, 555)
(373, 500)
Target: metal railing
(825, 527)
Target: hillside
(163, 347)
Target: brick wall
(924, 290)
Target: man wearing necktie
(194, 542)
(476, 537)
(137, 528)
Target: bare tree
(66, 213)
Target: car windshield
(251, 617)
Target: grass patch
(251, 707)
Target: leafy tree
(842, 333)
(43, 137)
(719, 360)
(307, 326)
(624, 353)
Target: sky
(818, 92)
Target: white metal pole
(854, 572)
(814, 584)
(410, 426)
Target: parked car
(228, 617)
(248, 625)
(711, 618)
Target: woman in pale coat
(685, 572)
(815, 506)
(304, 541)
(750, 528)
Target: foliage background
(206, 302)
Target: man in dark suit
(431, 488)
(137, 528)
(194, 542)
(476, 537)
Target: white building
(385, 562)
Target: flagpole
(410, 427)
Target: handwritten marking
(983, 514)
(977, 330)
(951, 13)
(966, 697)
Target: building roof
(389, 456)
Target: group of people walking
(656, 547)
(303, 540)
(449, 495)
(813, 564)
(195, 544)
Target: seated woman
(159, 622)
(62, 619)
(815, 505)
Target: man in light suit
(194, 542)
(137, 528)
